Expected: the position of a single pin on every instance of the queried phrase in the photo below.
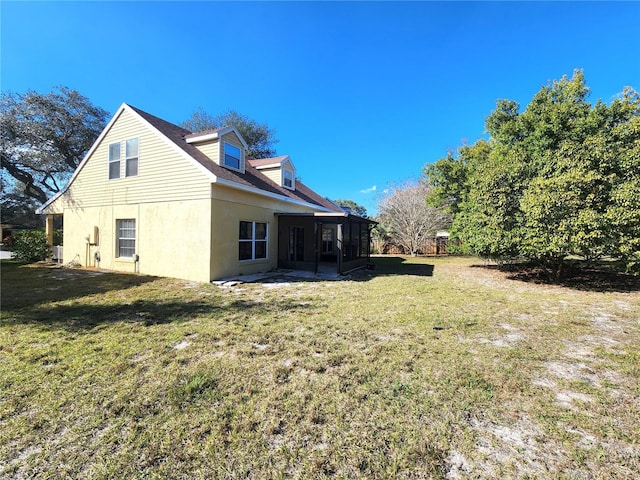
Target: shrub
(30, 246)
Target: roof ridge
(148, 116)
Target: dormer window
(288, 180)
(232, 156)
(279, 170)
(224, 146)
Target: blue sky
(361, 94)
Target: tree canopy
(555, 180)
(45, 137)
(356, 209)
(260, 137)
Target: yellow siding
(273, 174)
(233, 139)
(164, 174)
(211, 149)
(276, 175)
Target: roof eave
(202, 138)
(215, 135)
(277, 196)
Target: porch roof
(331, 215)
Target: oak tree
(260, 138)
(45, 137)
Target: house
(154, 198)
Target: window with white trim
(288, 179)
(328, 236)
(114, 160)
(126, 238)
(252, 244)
(232, 156)
(131, 162)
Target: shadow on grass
(392, 265)
(29, 290)
(27, 285)
(148, 313)
(576, 275)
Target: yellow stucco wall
(172, 238)
(229, 207)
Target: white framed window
(232, 156)
(126, 238)
(131, 162)
(252, 243)
(328, 240)
(114, 161)
(288, 179)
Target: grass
(423, 368)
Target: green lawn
(422, 368)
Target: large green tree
(555, 180)
(44, 138)
(260, 138)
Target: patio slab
(261, 277)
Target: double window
(253, 241)
(232, 156)
(126, 244)
(327, 240)
(131, 159)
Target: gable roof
(251, 180)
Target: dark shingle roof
(251, 178)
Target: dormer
(278, 169)
(225, 146)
